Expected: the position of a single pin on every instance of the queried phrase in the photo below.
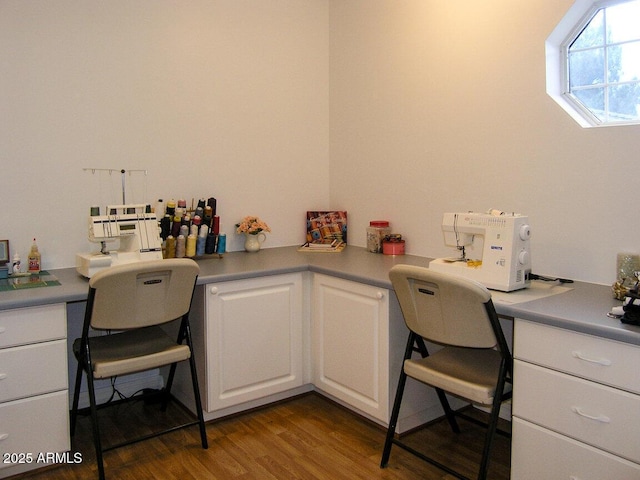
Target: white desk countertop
(579, 306)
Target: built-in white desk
(577, 316)
(583, 308)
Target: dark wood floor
(307, 438)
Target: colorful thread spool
(190, 250)
(180, 246)
(222, 243)
(170, 247)
(175, 227)
(200, 244)
(210, 245)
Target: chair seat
(466, 372)
(111, 355)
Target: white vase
(253, 242)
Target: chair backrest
(444, 308)
(142, 294)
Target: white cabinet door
(350, 325)
(254, 339)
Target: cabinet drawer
(538, 454)
(595, 414)
(604, 361)
(32, 324)
(35, 425)
(33, 369)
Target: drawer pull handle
(3, 436)
(599, 361)
(3, 376)
(2, 329)
(598, 418)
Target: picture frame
(4, 252)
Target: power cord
(533, 276)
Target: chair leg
(395, 411)
(185, 334)
(393, 421)
(196, 395)
(493, 424)
(95, 427)
(167, 388)
(182, 335)
(448, 411)
(76, 398)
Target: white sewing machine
(136, 230)
(505, 263)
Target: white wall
(224, 98)
(441, 106)
(390, 109)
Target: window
(597, 77)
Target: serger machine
(506, 260)
(136, 230)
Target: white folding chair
(474, 362)
(131, 302)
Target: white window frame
(557, 46)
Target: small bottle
(16, 265)
(34, 258)
(376, 231)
